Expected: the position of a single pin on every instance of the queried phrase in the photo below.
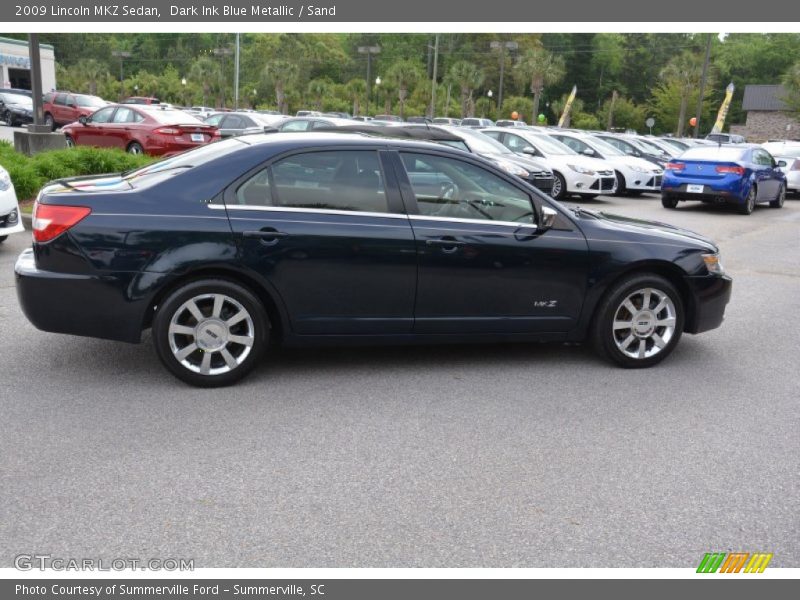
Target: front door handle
(447, 243)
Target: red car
(141, 129)
(61, 108)
(141, 100)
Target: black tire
(134, 148)
(70, 141)
(779, 200)
(609, 341)
(559, 191)
(49, 121)
(175, 316)
(621, 189)
(749, 204)
(3, 238)
(8, 119)
(669, 201)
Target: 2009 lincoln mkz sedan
(312, 238)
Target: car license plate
(694, 189)
(199, 137)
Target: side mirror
(529, 150)
(781, 164)
(589, 152)
(83, 119)
(548, 218)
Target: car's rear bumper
(87, 305)
(711, 294)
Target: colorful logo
(734, 562)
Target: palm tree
(280, 74)
(539, 68)
(402, 74)
(318, 89)
(356, 89)
(206, 71)
(92, 71)
(467, 77)
(683, 71)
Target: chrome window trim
(318, 211)
(472, 221)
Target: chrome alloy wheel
(211, 334)
(555, 192)
(644, 323)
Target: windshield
(16, 99)
(89, 101)
(550, 146)
(604, 147)
(481, 143)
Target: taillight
(730, 169)
(168, 131)
(675, 166)
(51, 220)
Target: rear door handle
(268, 237)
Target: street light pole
(122, 55)
(502, 47)
(236, 77)
(435, 74)
(369, 51)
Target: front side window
(348, 180)
(516, 143)
(102, 116)
(296, 126)
(450, 188)
(232, 122)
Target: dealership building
(15, 65)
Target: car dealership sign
(13, 60)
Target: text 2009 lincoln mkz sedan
(313, 238)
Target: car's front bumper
(10, 217)
(710, 294)
(78, 304)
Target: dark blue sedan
(725, 174)
(340, 238)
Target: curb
(27, 220)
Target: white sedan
(634, 175)
(10, 221)
(787, 155)
(573, 173)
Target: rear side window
(126, 115)
(343, 180)
(61, 99)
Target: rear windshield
(714, 153)
(180, 163)
(169, 116)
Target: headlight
(638, 169)
(713, 264)
(5, 180)
(510, 167)
(583, 170)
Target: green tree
(357, 91)
(540, 68)
(627, 114)
(791, 82)
(280, 74)
(403, 74)
(683, 73)
(317, 89)
(92, 71)
(466, 76)
(206, 71)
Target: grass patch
(30, 173)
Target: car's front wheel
(778, 202)
(559, 191)
(210, 332)
(135, 148)
(639, 321)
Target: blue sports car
(732, 174)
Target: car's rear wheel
(639, 322)
(70, 141)
(210, 332)
(135, 148)
(750, 202)
(559, 190)
(49, 121)
(778, 202)
(669, 201)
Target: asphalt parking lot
(479, 456)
